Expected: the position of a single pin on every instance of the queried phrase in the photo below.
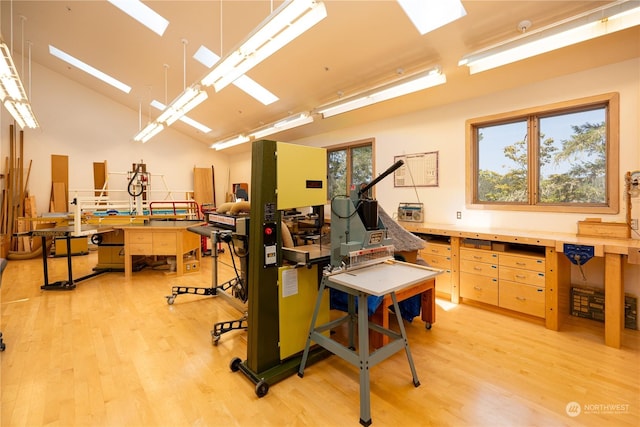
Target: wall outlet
(458, 215)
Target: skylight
(202, 128)
(88, 69)
(143, 14)
(432, 14)
(207, 58)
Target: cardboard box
(588, 303)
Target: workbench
(158, 237)
(557, 274)
(386, 278)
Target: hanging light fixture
(286, 23)
(12, 93)
(231, 142)
(607, 19)
(400, 87)
(282, 125)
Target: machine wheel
(171, 299)
(235, 364)
(428, 325)
(262, 388)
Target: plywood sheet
(60, 175)
(203, 185)
(100, 178)
(58, 197)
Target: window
(349, 166)
(557, 158)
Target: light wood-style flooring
(114, 353)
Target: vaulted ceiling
(360, 43)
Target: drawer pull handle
(477, 257)
(477, 288)
(520, 276)
(521, 263)
(521, 298)
(477, 268)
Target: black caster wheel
(416, 383)
(428, 325)
(235, 364)
(171, 299)
(2, 346)
(262, 388)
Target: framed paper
(419, 170)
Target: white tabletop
(384, 278)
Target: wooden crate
(597, 228)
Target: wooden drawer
(140, 237)
(479, 255)
(481, 268)
(479, 288)
(523, 262)
(437, 261)
(522, 298)
(443, 282)
(526, 277)
(164, 244)
(139, 249)
(436, 249)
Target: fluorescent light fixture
(151, 130)
(288, 123)
(432, 14)
(404, 86)
(253, 89)
(286, 23)
(143, 14)
(598, 22)
(12, 93)
(236, 140)
(202, 128)
(185, 102)
(88, 69)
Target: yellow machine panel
(297, 292)
(301, 176)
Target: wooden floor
(114, 353)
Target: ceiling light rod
(12, 93)
(286, 23)
(282, 125)
(236, 140)
(597, 22)
(400, 87)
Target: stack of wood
(17, 205)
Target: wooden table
(160, 238)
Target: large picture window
(349, 166)
(562, 157)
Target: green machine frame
(264, 366)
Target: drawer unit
(525, 262)
(480, 268)
(522, 298)
(522, 283)
(438, 255)
(164, 244)
(479, 288)
(479, 275)
(140, 237)
(140, 248)
(478, 255)
(526, 277)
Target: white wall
(442, 129)
(88, 127)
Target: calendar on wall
(419, 170)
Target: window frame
(348, 147)
(611, 102)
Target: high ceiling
(361, 42)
